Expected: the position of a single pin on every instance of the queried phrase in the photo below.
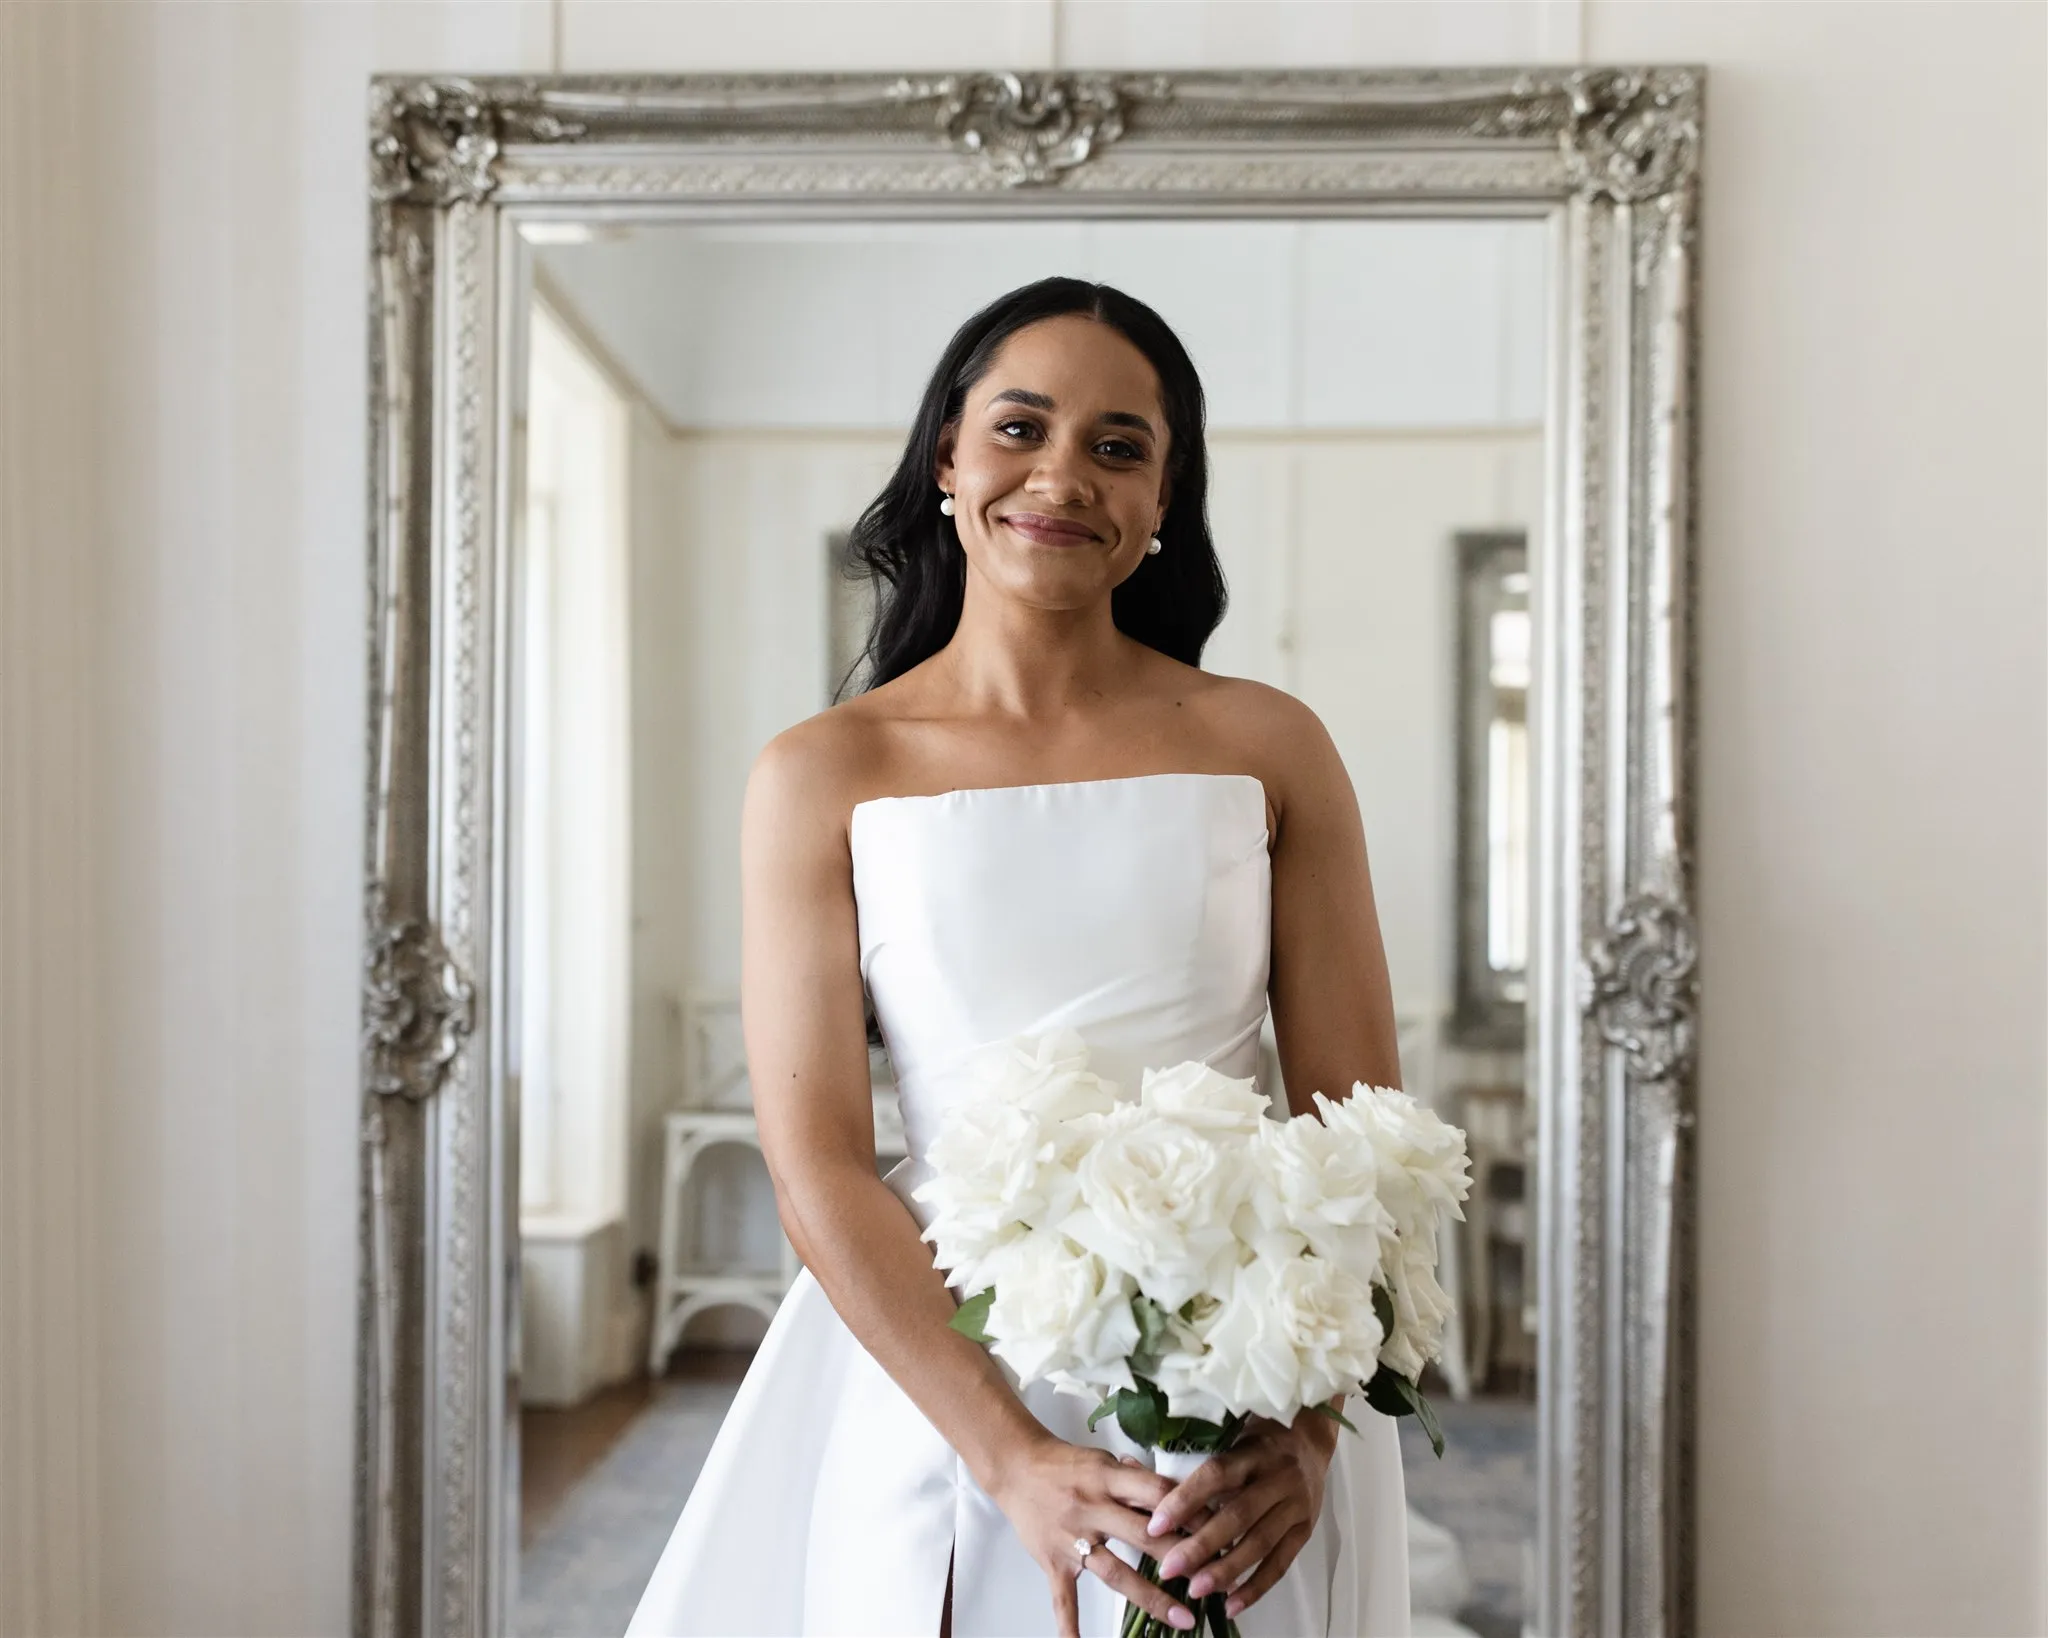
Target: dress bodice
(1134, 910)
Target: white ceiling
(1384, 324)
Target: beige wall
(1872, 745)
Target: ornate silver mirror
(1446, 324)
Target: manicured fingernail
(1158, 1526)
(1181, 1618)
(1169, 1566)
(1232, 1607)
(1200, 1586)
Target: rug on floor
(1484, 1493)
(583, 1574)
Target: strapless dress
(1136, 911)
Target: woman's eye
(1118, 449)
(1017, 429)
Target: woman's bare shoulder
(1271, 733)
(1249, 715)
(808, 777)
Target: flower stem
(1211, 1621)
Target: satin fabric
(1138, 912)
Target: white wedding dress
(1136, 911)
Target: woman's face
(1057, 465)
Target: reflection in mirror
(1493, 788)
(708, 406)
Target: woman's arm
(1333, 1014)
(807, 1053)
(1332, 1002)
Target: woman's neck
(1010, 659)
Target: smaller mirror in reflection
(1494, 794)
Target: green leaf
(1194, 1434)
(1392, 1394)
(1384, 1393)
(970, 1319)
(1100, 1411)
(1336, 1415)
(1139, 1411)
(1426, 1415)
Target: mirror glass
(707, 406)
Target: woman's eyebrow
(1038, 400)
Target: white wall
(1872, 760)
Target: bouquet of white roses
(1186, 1260)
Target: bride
(1041, 815)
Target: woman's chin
(1062, 593)
(1047, 581)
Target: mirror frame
(1608, 157)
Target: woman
(1040, 815)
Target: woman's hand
(1057, 1491)
(1267, 1490)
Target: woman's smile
(1049, 531)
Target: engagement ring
(1083, 1547)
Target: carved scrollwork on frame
(1633, 134)
(1029, 129)
(418, 1008)
(1643, 988)
(434, 142)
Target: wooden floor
(558, 1447)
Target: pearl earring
(1154, 547)
(946, 506)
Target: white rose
(1249, 1365)
(1422, 1162)
(1193, 1386)
(1047, 1075)
(1326, 1313)
(1320, 1186)
(1423, 1172)
(991, 1169)
(1291, 1331)
(1156, 1202)
(1060, 1311)
(1422, 1309)
(1204, 1099)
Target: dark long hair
(1172, 601)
